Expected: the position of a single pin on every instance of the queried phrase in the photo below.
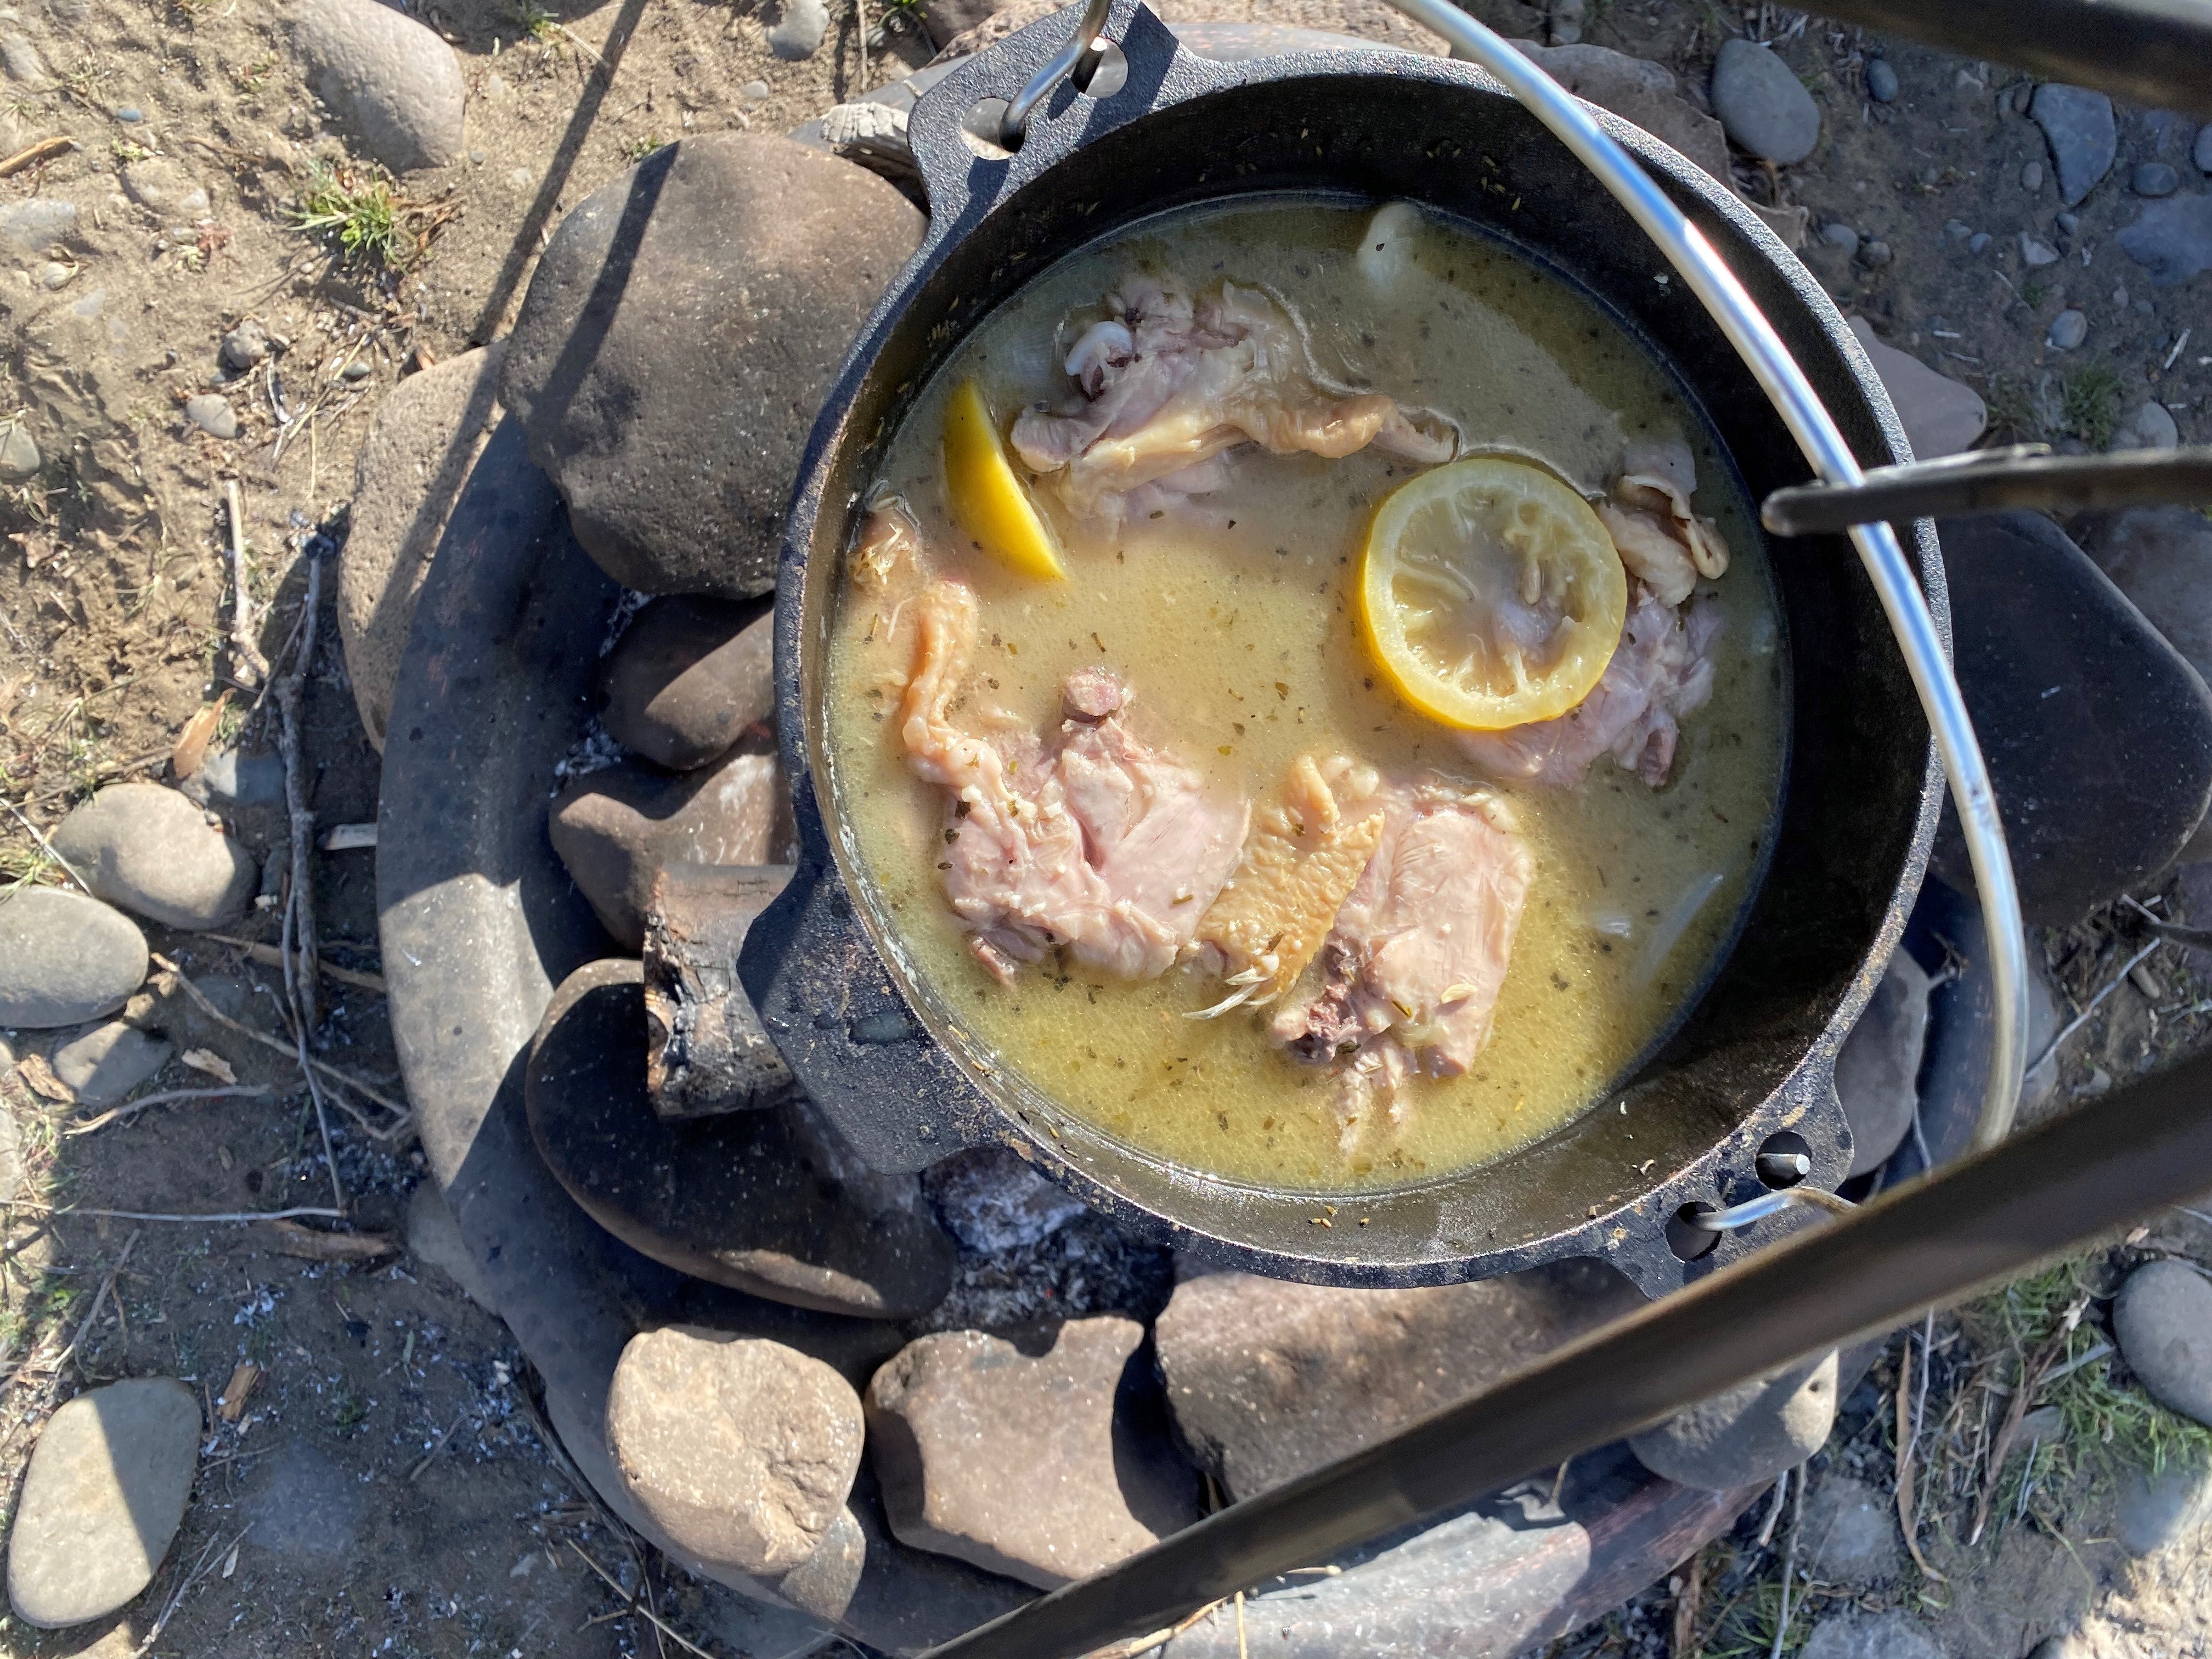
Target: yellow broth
(1231, 620)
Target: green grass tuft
(2090, 405)
(360, 216)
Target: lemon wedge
(987, 501)
(1490, 594)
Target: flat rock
(65, 958)
(740, 1450)
(237, 780)
(1640, 92)
(1747, 1434)
(1268, 1379)
(990, 1200)
(748, 264)
(211, 411)
(2156, 1510)
(108, 1062)
(2162, 1321)
(422, 445)
(2172, 239)
(1851, 1534)
(164, 188)
(688, 678)
(770, 1202)
(2103, 781)
(150, 849)
(434, 1239)
(1855, 1635)
(1878, 1072)
(391, 79)
(22, 61)
(1762, 104)
(243, 347)
(19, 453)
(1044, 1468)
(30, 227)
(102, 1500)
(2083, 137)
(2151, 426)
(615, 829)
(1942, 416)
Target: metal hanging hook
(1075, 63)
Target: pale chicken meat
(1086, 840)
(1661, 673)
(1169, 384)
(1411, 970)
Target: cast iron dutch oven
(1755, 1059)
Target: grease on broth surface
(1231, 620)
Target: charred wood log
(706, 1051)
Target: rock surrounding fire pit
(690, 678)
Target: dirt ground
(386, 1488)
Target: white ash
(990, 1200)
(624, 613)
(594, 751)
(1084, 1266)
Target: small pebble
(212, 414)
(2030, 177)
(2155, 179)
(2069, 222)
(19, 453)
(2120, 297)
(753, 91)
(244, 346)
(1881, 80)
(475, 158)
(53, 274)
(1875, 254)
(1979, 242)
(2034, 251)
(1837, 234)
(2067, 330)
(1957, 229)
(130, 114)
(356, 370)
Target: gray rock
(211, 412)
(149, 848)
(1747, 1434)
(615, 829)
(2172, 239)
(675, 439)
(1854, 1635)
(1940, 415)
(2156, 1510)
(2155, 179)
(2034, 251)
(244, 346)
(770, 1202)
(31, 227)
(389, 78)
(237, 780)
(21, 60)
(53, 274)
(1636, 89)
(1881, 80)
(2151, 426)
(434, 1239)
(740, 1451)
(2084, 138)
(824, 1583)
(2162, 1321)
(421, 448)
(1044, 1470)
(1851, 1535)
(2161, 558)
(1762, 104)
(2041, 1083)
(110, 1060)
(689, 678)
(1840, 235)
(2067, 223)
(1958, 230)
(1878, 1072)
(2202, 154)
(102, 1500)
(1269, 1379)
(1875, 254)
(797, 34)
(2030, 177)
(19, 453)
(990, 1200)
(1980, 242)
(65, 958)
(161, 187)
(2067, 330)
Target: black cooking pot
(1754, 1059)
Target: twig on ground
(431, 1456)
(222, 1216)
(2095, 1002)
(250, 660)
(45, 150)
(1774, 1513)
(1908, 1440)
(270, 957)
(302, 949)
(1789, 1565)
(130, 1109)
(637, 1608)
(45, 846)
(208, 1558)
(293, 1239)
(106, 1287)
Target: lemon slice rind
(987, 499)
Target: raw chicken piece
(1662, 542)
(1419, 951)
(1167, 384)
(1100, 845)
(1661, 673)
(1300, 864)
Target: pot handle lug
(842, 1026)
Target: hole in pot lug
(1689, 1242)
(1783, 1160)
(981, 126)
(1110, 75)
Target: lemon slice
(1490, 594)
(987, 501)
